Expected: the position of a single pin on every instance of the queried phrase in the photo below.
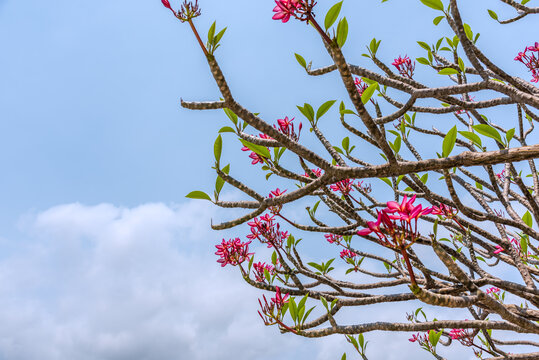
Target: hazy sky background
(101, 255)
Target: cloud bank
(107, 282)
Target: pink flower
(360, 85)
(317, 173)
(396, 221)
(265, 230)
(404, 66)
(277, 208)
(498, 250)
(285, 9)
(344, 186)
(444, 210)
(493, 290)
(332, 238)
(166, 4)
(464, 336)
(254, 156)
(233, 252)
(457, 333)
(259, 271)
(530, 60)
(534, 47)
(287, 128)
(279, 300)
(347, 254)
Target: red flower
(259, 271)
(233, 252)
(287, 128)
(277, 208)
(396, 221)
(493, 290)
(404, 66)
(279, 300)
(267, 231)
(256, 158)
(347, 254)
(344, 186)
(317, 173)
(360, 85)
(285, 9)
(332, 238)
(498, 250)
(530, 60)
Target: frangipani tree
(448, 243)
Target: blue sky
(96, 156)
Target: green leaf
(472, 137)
(387, 181)
(367, 94)
(468, 31)
(449, 142)
(342, 32)
(233, 117)
(308, 111)
(448, 71)
(293, 308)
(198, 195)
(524, 245)
(462, 67)
(226, 129)
(437, 19)
(434, 4)
(258, 149)
(493, 15)
(211, 33)
(509, 135)
(434, 337)
(219, 36)
(488, 131)
(423, 61)
(346, 143)
(396, 146)
(424, 45)
(332, 15)
(217, 148)
(344, 355)
(527, 218)
(324, 108)
(301, 60)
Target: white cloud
(106, 282)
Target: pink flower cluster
(347, 254)
(259, 268)
(317, 173)
(443, 210)
(233, 252)
(332, 238)
(266, 230)
(187, 11)
(285, 9)
(344, 186)
(493, 290)
(530, 60)
(405, 66)
(277, 208)
(254, 156)
(271, 310)
(399, 221)
(360, 85)
(286, 127)
(464, 336)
